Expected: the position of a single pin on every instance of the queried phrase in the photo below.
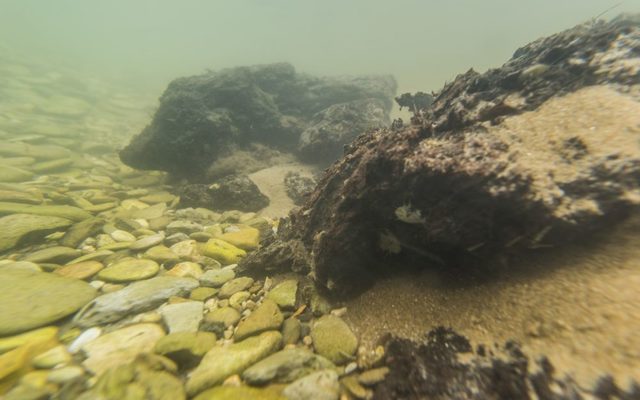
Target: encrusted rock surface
(208, 117)
(532, 154)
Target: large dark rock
(234, 192)
(434, 370)
(206, 117)
(534, 154)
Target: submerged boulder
(534, 154)
(208, 117)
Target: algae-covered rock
(285, 366)
(333, 339)
(137, 297)
(222, 251)
(234, 286)
(217, 277)
(14, 174)
(246, 238)
(129, 269)
(186, 348)
(120, 346)
(67, 212)
(284, 294)
(80, 231)
(241, 393)
(146, 378)
(266, 317)
(32, 299)
(82, 270)
(223, 361)
(321, 385)
(22, 228)
(54, 254)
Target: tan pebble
(339, 312)
(233, 380)
(307, 340)
(111, 287)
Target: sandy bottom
(580, 307)
(270, 181)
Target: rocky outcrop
(208, 117)
(534, 154)
(234, 192)
(435, 370)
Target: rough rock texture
(435, 370)
(298, 187)
(234, 192)
(206, 117)
(529, 155)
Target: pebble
(84, 338)
(52, 357)
(188, 269)
(234, 286)
(82, 270)
(320, 385)
(147, 241)
(129, 269)
(223, 361)
(285, 366)
(266, 317)
(182, 317)
(65, 374)
(122, 236)
(217, 277)
(120, 346)
(284, 294)
(333, 339)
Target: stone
(246, 238)
(148, 377)
(333, 339)
(223, 316)
(129, 269)
(30, 300)
(84, 338)
(373, 376)
(217, 277)
(82, 270)
(183, 226)
(234, 286)
(320, 385)
(291, 331)
(202, 293)
(80, 231)
(46, 334)
(52, 357)
(266, 104)
(285, 366)
(223, 361)
(266, 317)
(52, 165)
(66, 212)
(65, 374)
(148, 241)
(20, 197)
(187, 269)
(238, 298)
(23, 265)
(120, 346)
(284, 294)
(23, 228)
(55, 254)
(14, 174)
(186, 348)
(222, 251)
(162, 254)
(17, 361)
(241, 393)
(354, 387)
(135, 298)
(122, 236)
(186, 249)
(182, 317)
